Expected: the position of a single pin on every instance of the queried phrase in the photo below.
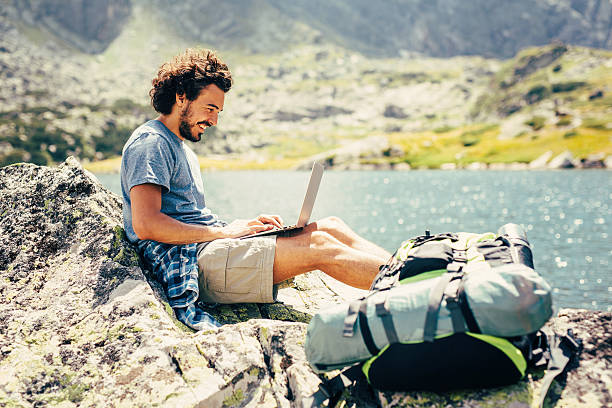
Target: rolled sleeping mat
(520, 247)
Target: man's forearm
(163, 228)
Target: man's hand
(271, 219)
(241, 228)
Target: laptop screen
(311, 194)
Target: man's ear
(180, 99)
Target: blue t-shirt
(155, 155)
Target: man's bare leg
(337, 228)
(314, 249)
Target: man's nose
(214, 118)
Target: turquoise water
(567, 214)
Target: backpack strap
(358, 310)
(433, 309)
(451, 294)
(384, 313)
(420, 240)
(448, 286)
(366, 333)
(351, 319)
(331, 389)
(466, 311)
(561, 348)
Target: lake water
(567, 214)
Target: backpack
(448, 311)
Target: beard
(185, 126)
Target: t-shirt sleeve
(149, 160)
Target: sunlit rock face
(89, 25)
(81, 324)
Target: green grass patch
(428, 149)
(443, 129)
(596, 123)
(472, 137)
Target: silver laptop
(306, 211)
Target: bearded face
(198, 114)
(189, 129)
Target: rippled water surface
(567, 214)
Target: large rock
(89, 25)
(351, 155)
(81, 324)
(541, 161)
(564, 160)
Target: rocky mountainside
(309, 97)
(442, 28)
(81, 324)
(89, 26)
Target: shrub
(571, 133)
(567, 86)
(111, 143)
(566, 121)
(443, 129)
(472, 137)
(536, 123)
(14, 156)
(536, 94)
(594, 123)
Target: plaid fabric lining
(176, 266)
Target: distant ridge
(438, 28)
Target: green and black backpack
(448, 311)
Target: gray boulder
(563, 161)
(593, 161)
(81, 324)
(541, 161)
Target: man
(196, 255)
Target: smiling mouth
(203, 125)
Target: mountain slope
(440, 28)
(88, 25)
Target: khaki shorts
(237, 270)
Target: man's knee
(331, 224)
(322, 240)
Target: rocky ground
(81, 324)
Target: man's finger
(279, 220)
(271, 219)
(260, 228)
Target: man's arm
(150, 223)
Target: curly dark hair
(187, 74)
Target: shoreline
(113, 165)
